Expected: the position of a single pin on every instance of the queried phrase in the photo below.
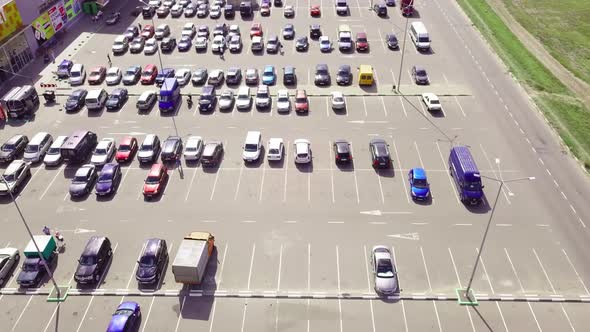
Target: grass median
(566, 113)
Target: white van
(96, 99)
(420, 36)
(37, 147)
(252, 146)
(53, 155)
(77, 74)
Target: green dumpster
(90, 8)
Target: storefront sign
(10, 20)
(42, 28)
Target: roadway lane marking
(331, 170)
(212, 316)
(52, 180)
(239, 181)
(514, 270)
(399, 163)
(385, 51)
(575, 271)
(309, 186)
(446, 80)
(286, 171)
(251, 264)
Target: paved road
(306, 232)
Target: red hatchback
(301, 102)
(362, 43)
(148, 76)
(148, 31)
(97, 75)
(155, 181)
(315, 11)
(256, 30)
(126, 149)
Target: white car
(302, 151)
(276, 149)
(263, 98)
(289, 11)
(168, 3)
(113, 76)
(193, 148)
(215, 12)
(234, 29)
(154, 3)
(77, 74)
(163, 30)
(8, 260)
(176, 10)
(384, 270)
(201, 43)
(183, 76)
(283, 101)
(337, 100)
(189, 29)
(151, 46)
(218, 44)
(203, 31)
(257, 44)
(53, 156)
(243, 99)
(202, 10)
(431, 101)
(226, 100)
(325, 44)
(104, 152)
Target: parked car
(302, 44)
(183, 76)
(95, 259)
(289, 77)
(152, 262)
(155, 181)
(9, 257)
(113, 76)
(15, 176)
(381, 158)
(171, 149)
(185, 43)
(201, 44)
(276, 149)
(76, 100)
(148, 31)
(273, 44)
(83, 181)
(117, 99)
(164, 74)
(269, 76)
(322, 75)
(127, 317)
(127, 148)
(283, 101)
(163, 30)
(212, 153)
(137, 45)
(146, 100)
(97, 75)
(315, 31)
(384, 271)
(13, 148)
(337, 100)
(288, 31)
(235, 43)
(419, 186)
(420, 75)
(199, 76)
(325, 44)
(342, 151)
(431, 101)
(344, 75)
(168, 44)
(37, 148)
(104, 152)
(53, 156)
(301, 101)
(150, 47)
(302, 151)
(108, 179)
(243, 98)
(392, 41)
(193, 148)
(226, 100)
(251, 76)
(149, 149)
(132, 75)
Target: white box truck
(192, 257)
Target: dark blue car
(419, 187)
(108, 179)
(163, 75)
(125, 318)
(185, 43)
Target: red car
(301, 102)
(148, 31)
(148, 76)
(127, 149)
(97, 75)
(155, 181)
(256, 30)
(315, 11)
(362, 43)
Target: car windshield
(474, 186)
(262, 95)
(273, 151)
(165, 98)
(30, 267)
(343, 72)
(8, 147)
(283, 98)
(130, 72)
(243, 97)
(421, 72)
(53, 151)
(87, 260)
(9, 177)
(63, 67)
(100, 151)
(361, 40)
(80, 179)
(338, 99)
(147, 73)
(434, 101)
(146, 147)
(345, 39)
(75, 73)
(123, 312)
(384, 268)
(105, 178)
(32, 148)
(226, 97)
(113, 73)
(251, 147)
(124, 147)
(420, 183)
(118, 43)
(147, 261)
(191, 149)
(321, 71)
(301, 99)
(152, 180)
(302, 155)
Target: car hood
(473, 194)
(27, 275)
(118, 47)
(76, 78)
(5, 154)
(250, 154)
(128, 77)
(225, 102)
(77, 188)
(52, 157)
(283, 104)
(145, 154)
(104, 186)
(117, 323)
(386, 285)
(71, 103)
(123, 154)
(420, 191)
(321, 76)
(112, 78)
(85, 270)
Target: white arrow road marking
(380, 213)
(406, 236)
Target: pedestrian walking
(109, 59)
(139, 25)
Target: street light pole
(467, 291)
(399, 76)
(32, 238)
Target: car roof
(130, 305)
(342, 145)
(14, 139)
(109, 168)
(321, 66)
(315, 26)
(430, 95)
(419, 173)
(155, 170)
(14, 166)
(98, 68)
(344, 68)
(105, 142)
(93, 244)
(84, 170)
(118, 91)
(275, 142)
(151, 247)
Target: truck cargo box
(46, 245)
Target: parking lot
(293, 242)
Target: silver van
(77, 74)
(96, 99)
(53, 156)
(37, 147)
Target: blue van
(466, 175)
(169, 95)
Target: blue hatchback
(125, 318)
(419, 187)
(268, 75)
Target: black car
(132, 32)
(278, 3)
(171, 148)
(322, 75)
(168, 44)
(152, 262)
(381, 158)
(212, 153)
(207, 100)
(94, 260)
(185, 44)
(76, 100)
(392, 42)
(83, 180)
(302, 43)
(12, 148)
(315, 31)
(33, 271)
(289, 76)
(380, 9)
(164, 74)
(229, 11)
(117, 99)
(132, 75)
(419, 74)
(148, 12)
(344, 75)
(233, 76)
(342, 151)
(220, 29)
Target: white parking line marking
(381, 39)
(401, 99)
(505, 187)
(212, 315)
(419, 156)
(339, 289)
(188, 192)
(460, 107)
(262, 181)
(384, 107)
(544, 271)
(514, 270)
(85, 313)
(404, 314)
(356, 184)
(251, 264)
(147, 317)
(380, 187)
(58, 171)
(331, 170)
(446, 80)
(489, 280)
(215, 183)
(367, 267)
(286, 169)
(22, 313)
(133, 271)
(400, 167)
(426, 269)
(239, 181)
(309, 186)
(327, 108)
(180, 313)
(436, 311)
(365, 106)
(244, 314)
(575, 271)
(280, 268)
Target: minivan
(53, 155)
(77, 74)
(152, 262)
(419, 36)
(78, 146)
(37, 147)
(466, 176)
(96, 99)
(252, 146)
(146, 100)
(94, 260)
